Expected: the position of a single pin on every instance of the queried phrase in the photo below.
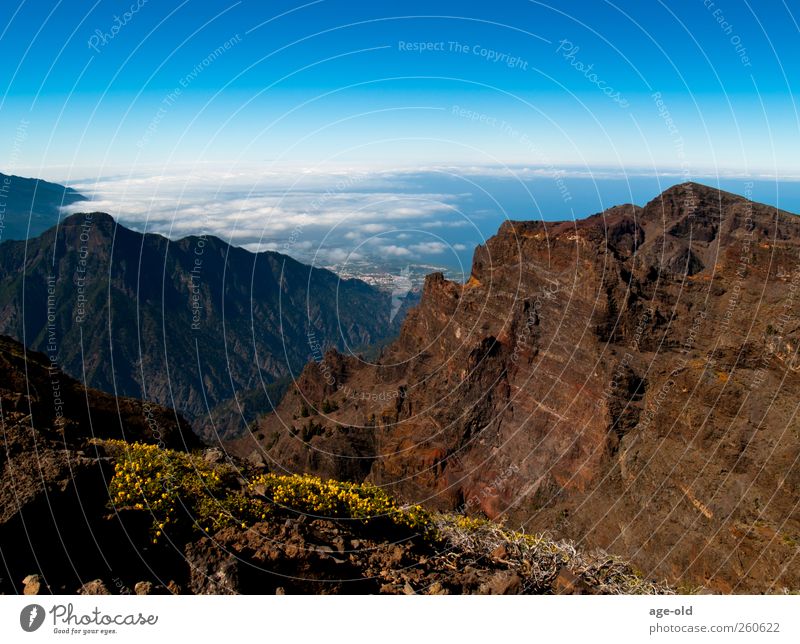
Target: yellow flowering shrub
(329, 498)
(173, 486)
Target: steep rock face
(628, 380)
(187, 324)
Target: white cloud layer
(331, 216)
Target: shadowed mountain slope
(184, 323)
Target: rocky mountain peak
(567, 386)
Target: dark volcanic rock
(212, 571)
(53, 482)
(318, 556)
(629, 380)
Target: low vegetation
(178, 488)
(539, 559)
(337, 499)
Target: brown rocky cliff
(628, 380)
(61, 532)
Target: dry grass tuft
(538, 560)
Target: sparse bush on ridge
(539, 559)
(172, 486)
(178, 487)
(339, 499)
(175, 485)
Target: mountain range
(191, 324)
(28, 207)
(625, 383)
(629, 380)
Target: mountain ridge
(186, 323)
(30, 206)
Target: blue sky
(334, 81)
(425, 123)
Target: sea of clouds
(330, 216)
(334, 216)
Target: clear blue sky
(336, 80)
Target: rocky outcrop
(628, 380)
(307, 555)
(53, 480)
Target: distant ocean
(493, 199)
